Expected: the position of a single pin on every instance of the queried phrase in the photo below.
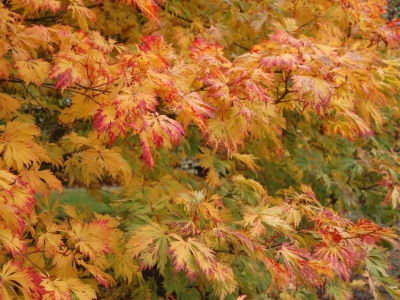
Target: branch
(357, 236)
(206, 26)
(306, 23)
(43, 107)
(369, 187)
(33, 264)
(240, 46)
(72, 89)
(91, 88)
(287, 91)
(44, 18)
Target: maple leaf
(248, 160)
(104, 45)
(18, 147)
(96, 162)
(227, 133)
(92, 239)
(149, 244)
(299, 265)
(101, 276)
(82, 13)
(172, 128)
(67, 71)
(42, 181)
(14, 278)
(194, 109)
(191, 255)
(284, 61)
(277, 271)
(27, 41)
(223, 280)
(10, 216)
(391, 33)
(125, 267)
(183, 36)
(50, 241)
(72, 142)
(16, 193)
(318, 87)
(242, 181)
(337, 254)
(282, 37)
(68, 289)
(287, 24)
(5, 67)
(209, 211)
(8, 106)
(81, 108)
(12, 241)
(55, 153)
(80, 290)
(33, 71)
(64, 262)
(148, 7)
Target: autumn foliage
(287, 110)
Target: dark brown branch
(206, 26)
(369, 187)
(45, 109)
(286, 92)
(91, 88)
(357, 236)
(33, 264)
(306, 23)
(240, 46)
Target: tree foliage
(286, 110)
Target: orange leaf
(33, 71)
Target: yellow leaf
(148, 7)
(99, 163)
(224, 282)
(287, 24)
(58, 288)
(8, 106)
(241, 180)
(55, 153)
(5, 66)
(81, 108)
(248, 160)
(15, 194)
(183, 36)
(18, 147)
(80, 290)
(42, 181)
(15, 278)
(92, 239)
(64, 263)
(33, 71)
(191, 256)
(149, 244)
(63, 289)
(11, 241)
(50, 241)
(125, 267)
(82, 14)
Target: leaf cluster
(287, 113)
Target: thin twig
(33, 263)
(287, 91)
(206, 26)
(43, 107)
(306, 23)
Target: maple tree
(287, 110)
